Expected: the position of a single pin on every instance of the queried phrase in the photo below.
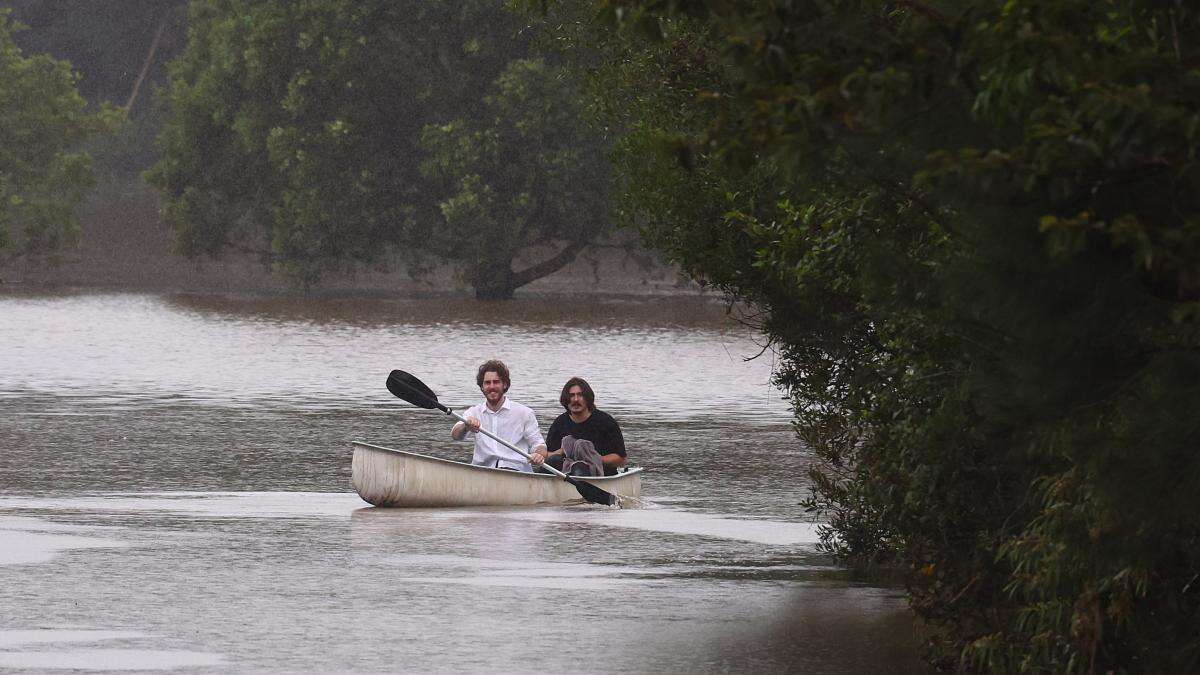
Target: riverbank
(126, 245)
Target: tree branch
(137, 85)
(548, 266)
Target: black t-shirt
(600, 428)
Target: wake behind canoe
(388, 477)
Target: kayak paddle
(405, 386)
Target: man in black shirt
(583, 422)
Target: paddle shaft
(494, 437)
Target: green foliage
(527, 169)
(972, 231)
(43, 120)
(296, 131)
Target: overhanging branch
(548, 266)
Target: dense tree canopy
(43, 175)
(296, 132)
(528, 169)
(973, 232)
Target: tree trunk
(494, 292)
(494, 282)
(137, 85)
(499, 282)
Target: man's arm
(542, 454)
(553, 440)
(533, 436)
(613, 459)
(460, 429)
(616, 446)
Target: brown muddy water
(175, 495)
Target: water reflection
(540, 313)
(129, 350)
(655, 519)
(26, 541)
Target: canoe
(386, 477)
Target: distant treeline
(323, 137)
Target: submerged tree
(528, 169)
(296, 132)
(43, 173)
(973, 232)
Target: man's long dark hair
(588, 394)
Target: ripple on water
(343, 504)
(28, 540)
(258, 575)
(92, 657)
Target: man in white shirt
(503, 417)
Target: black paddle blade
(592, 493)
(409, 388)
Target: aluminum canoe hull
(388, 477)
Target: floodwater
(175, 495)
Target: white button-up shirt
(514, 423)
